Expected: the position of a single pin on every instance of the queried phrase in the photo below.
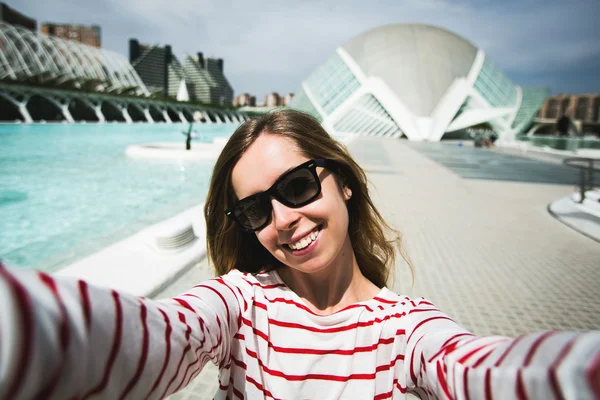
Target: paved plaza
(484, 247)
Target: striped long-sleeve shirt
(65, 339)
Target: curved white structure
(28, 56)
(414, 80)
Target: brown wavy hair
(373, 240)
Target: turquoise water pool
(67, 191)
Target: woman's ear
(347, 193)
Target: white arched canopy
(25, 55)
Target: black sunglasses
(294, 189)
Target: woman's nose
(283, 216)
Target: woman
(299, 310)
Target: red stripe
(471, 353)
(336, 329)
(446, 348)
(168, 331)
(203, 327)
(327, 377)
(311, 351)
(114, 351)
(382, 300)
(536, 344)
(520, 386)
(242, 297)
(308, 310)
(442, 379)
(144, 351)
(185, 304)
(218, 294)
(388, 395)
(205, 332)
(25, 315)
(466, 383)
(259, 387)
(426, 321)
(413, 375)
(520, 389)
(482, 359)
(553, 371)
(272, 286)
(185, 351)
(237, 393)
(488, 384)
(187, 348)
(416, 310)
(387, 367)
(185, 374)
(507, 351)
(85, 303)
(222, 282)
(593, 375)
(188, 329)
(64, 334)
(357, 305)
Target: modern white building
(28, 56)
(417, 81)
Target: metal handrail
(586, 172)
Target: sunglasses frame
(272, 192)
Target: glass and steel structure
(29, 56)
(417, 81)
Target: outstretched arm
(62, 338)
(448, 361)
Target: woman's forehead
(266, 159)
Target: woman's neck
(335, 288)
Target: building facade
(28, 56)
(581, 107)
(13, 17)
(151, 62)
(272, 100)
(287, 99)
(417, 81)
(196, 79)
(245, 99)
(206, 80)
(89, 35)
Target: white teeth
(301, 244)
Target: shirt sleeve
(445, 361)
(63, 338)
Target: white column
(63, 104)
(97, 107)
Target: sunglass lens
(298, 187)
(251, 213)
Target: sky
(272, 46)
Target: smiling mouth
(305, 241)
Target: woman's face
(316, 232)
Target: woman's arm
(444, 359)
(62, 338)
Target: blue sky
(272, 45)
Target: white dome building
(418, 81)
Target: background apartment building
(151, 62)
(90, 35)
(13, 17)
(206, 81)
(583, 107)
(198, 78)
(245, 99)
